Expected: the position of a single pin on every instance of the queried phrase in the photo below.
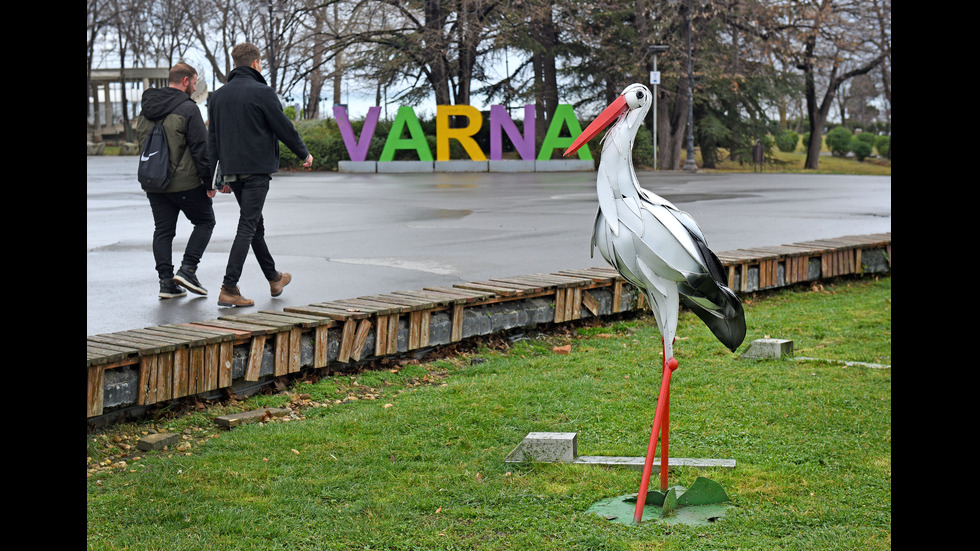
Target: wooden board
(363, 306)
(498, 289)
(456, 330)
(275, 323)
(99, 353)
(406, 303)
(436, 298)
(559, 280)
(333, 313)
(471, 295)
(320, 342)
(250, 329)
(590, 302)
(187, 336)
(254, 358)
(209, 335)
(143, 345)
(305, 320)
(151, 336)
(360, 339)
(95, 390)
(597, 277)
(525, 285)
(347, 341)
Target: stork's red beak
(608, 115)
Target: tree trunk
(676, 127)
(435, 47)
(312, 110)
(338, 73)
(818, 116)
(545, 72)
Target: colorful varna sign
(500, 123)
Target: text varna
(500, 124)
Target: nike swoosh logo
(147, 157)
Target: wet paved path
(349, 235)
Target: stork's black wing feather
(727, 320)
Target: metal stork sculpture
(660, 250)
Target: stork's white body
(658, 248)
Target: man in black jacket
(245, 125)
(189, 189)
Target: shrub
(839, 141)
(787, 141)
(324, 142)
(861, 148)
(883, 145)
(866, 137)
(642, 147)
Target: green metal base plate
(703, 503)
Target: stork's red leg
(670, 366)
(658, 421)
(654, 434)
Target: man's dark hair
(181, 70)
(244, 54)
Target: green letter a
(406, 116)
(563, 114)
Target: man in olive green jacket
(189, 190)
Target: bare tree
(217, 25)
(829, 42)
(439, 42)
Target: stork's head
(628, 110)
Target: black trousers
(250, 192)
(166, 207)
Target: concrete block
(157, 441)
(874, 260)
(562, 447)
(121, 386)
(129, 148)
(547, 447)
(564, 165)
(768, 349)
(360, 167)
(636, 463)
(254, 416)
(95, 148)
(461, 165)
(511, 165)
(399, 167)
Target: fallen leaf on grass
(567, 349)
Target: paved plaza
(348, 235)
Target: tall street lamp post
(274, 12)
(655, 81)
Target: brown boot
(281, 280)
(230, 296)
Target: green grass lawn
(411, 456)
(781, 162)
(793, 163)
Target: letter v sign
(357, 149)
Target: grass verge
(411, 457)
